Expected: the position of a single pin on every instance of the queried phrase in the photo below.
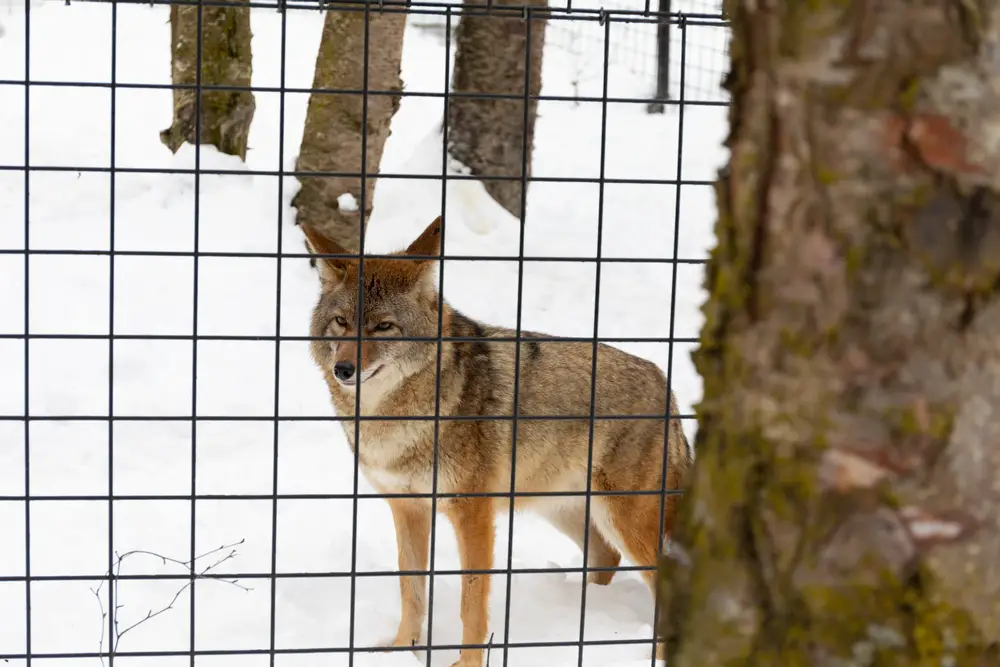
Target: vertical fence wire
(193, 551)
(27, 330)
(272, 611)
(673, 309)
(522, 218)
(359, 328)
(435, 456)
(594, 349)
(112, 598)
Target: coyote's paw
(602, 578)
(469, 659)
(401, 639)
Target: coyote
(397, 378)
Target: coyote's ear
(331, 269)
(429, 242)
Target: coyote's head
(398, 300)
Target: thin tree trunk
(845, 507)
(486, 135)
(332, 140)
(226, 60)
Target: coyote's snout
(397, 378)
(345, 369)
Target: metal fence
(35, 515)
(637, 46)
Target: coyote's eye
(340, 321)
(383, 326)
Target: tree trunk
(845, 507)
(487, 135)
(332, 140)
(225, 61)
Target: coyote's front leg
(413, 528)
(473, 519)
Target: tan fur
(474, 456)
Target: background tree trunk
(486, 135)
(332, 138)
(225, 61)
(845, 506)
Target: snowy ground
(154, 295)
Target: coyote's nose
(343, 370)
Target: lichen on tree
(226, 60)
(333, 138)
(487, 134)
(845, 506)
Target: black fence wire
(698, 45)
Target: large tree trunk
(225, 61)
(845, 508)
(332, 140)
(487, 135)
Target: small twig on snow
(114, 576)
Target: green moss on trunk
(832, 362)
(333, 138)
(226, 60)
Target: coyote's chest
(395, 455)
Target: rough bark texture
(225, 61)
(486, 135)
(332, 139)
(845, 508)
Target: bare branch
(104, 615)
(114, 577)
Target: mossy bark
(333, 137)
(487, 135)
(845, 505)
(226, 60)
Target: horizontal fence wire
(330, 575)
(594, 37)
(324, 650)
(462, 95)
(345, 496)
(708, 10)
(304, 418)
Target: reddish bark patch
(929, 139)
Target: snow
(347, 202)
(241, 212)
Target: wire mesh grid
(614, 26)
(635, 46)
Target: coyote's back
(556, 444)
